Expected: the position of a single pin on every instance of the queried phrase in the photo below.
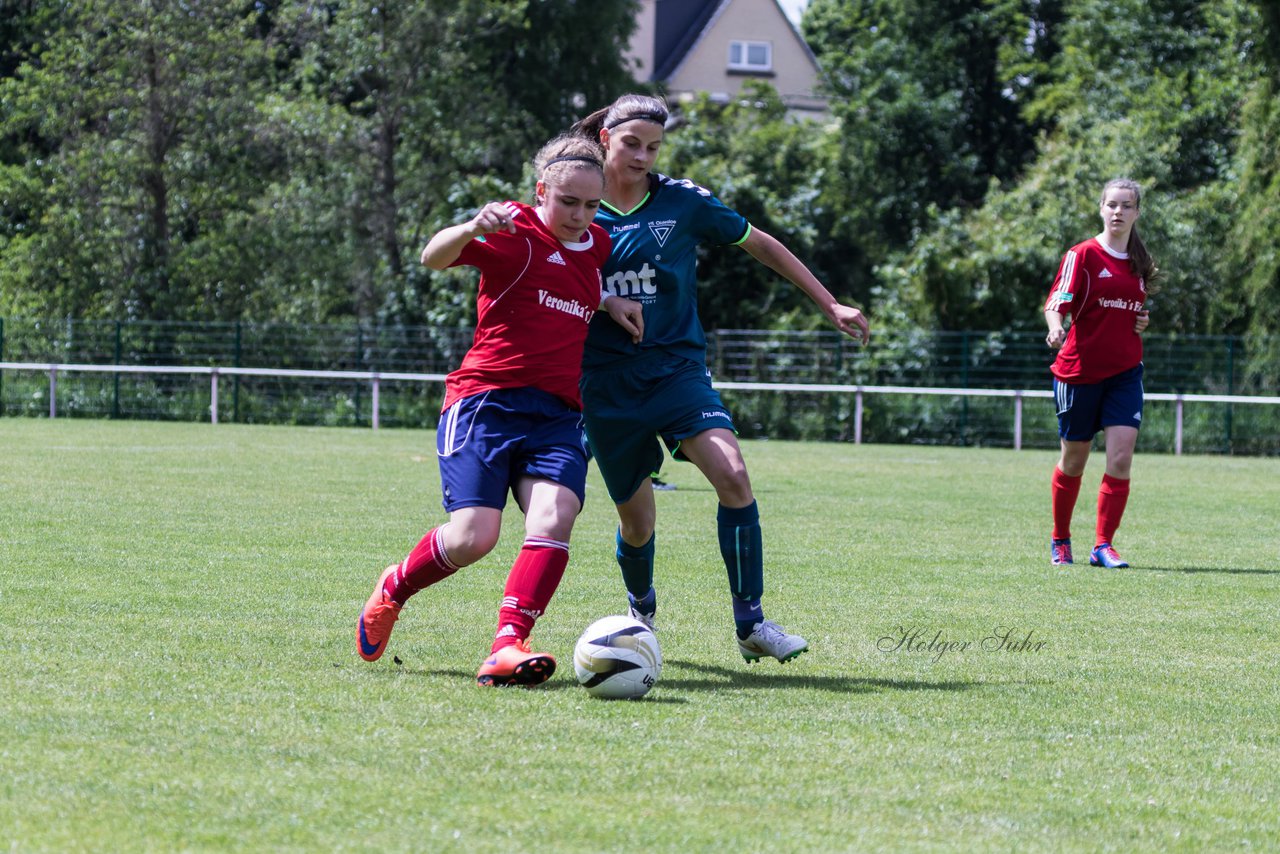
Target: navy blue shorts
(488, 441)
(629, 406)
(1083, 410)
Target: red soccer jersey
(537, 295)
(1103, 297)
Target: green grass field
(178, 667)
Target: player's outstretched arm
(769, 251)
(446, 245)
(628, 314)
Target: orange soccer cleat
(378, 618)
(516, 665)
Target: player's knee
(556, 525)
(733, 488)
(467, 544)
(1119, 465)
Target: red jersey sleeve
(1071, 286)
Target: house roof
(678, 26)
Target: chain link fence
(970, 360)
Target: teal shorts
(626, 407)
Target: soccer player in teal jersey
(634, 392)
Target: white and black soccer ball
(617, 658)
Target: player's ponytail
(1140, 260)
(627, 108)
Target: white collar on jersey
(1123, 256)
(580, 246)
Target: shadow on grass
(715, 678)
(757, 677)
(1218, 569)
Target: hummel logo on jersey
(1105, 274)
(555, 258)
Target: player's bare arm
(768, 250)
(447, 244)
(1057, 333)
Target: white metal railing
(375, 378)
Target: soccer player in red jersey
(1097, 375)
(512, 418)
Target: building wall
(640, 48)
(705, 68)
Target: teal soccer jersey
(654, 261)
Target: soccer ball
(617, 658)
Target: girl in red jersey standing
(1097, 375)
(512, 419)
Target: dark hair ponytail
(627, 108)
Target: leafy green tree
(1255, 251)
(930, 98)
(401, 118)
(1147, 90)
(149, 108)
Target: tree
(1147, 90)
(929, 98)
(1255, 253)
(147, 110)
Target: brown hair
(1140, 260)
(627, 108)
(555, 160)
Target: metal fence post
(1177, 426)
(115, 396)
(1017, 420)
(53, 391)
(1, 372)
(235, 389)
(358, 362)
(373, 416)
(857, 417)
(213, 396)
(1231, 371)
(964, 401)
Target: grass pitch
(178, 666)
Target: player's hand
(851, 322)
(628, 314)
(1143, 320)
(494, 217)
(1056, 337)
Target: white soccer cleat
(768, 638)
(647, 619)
